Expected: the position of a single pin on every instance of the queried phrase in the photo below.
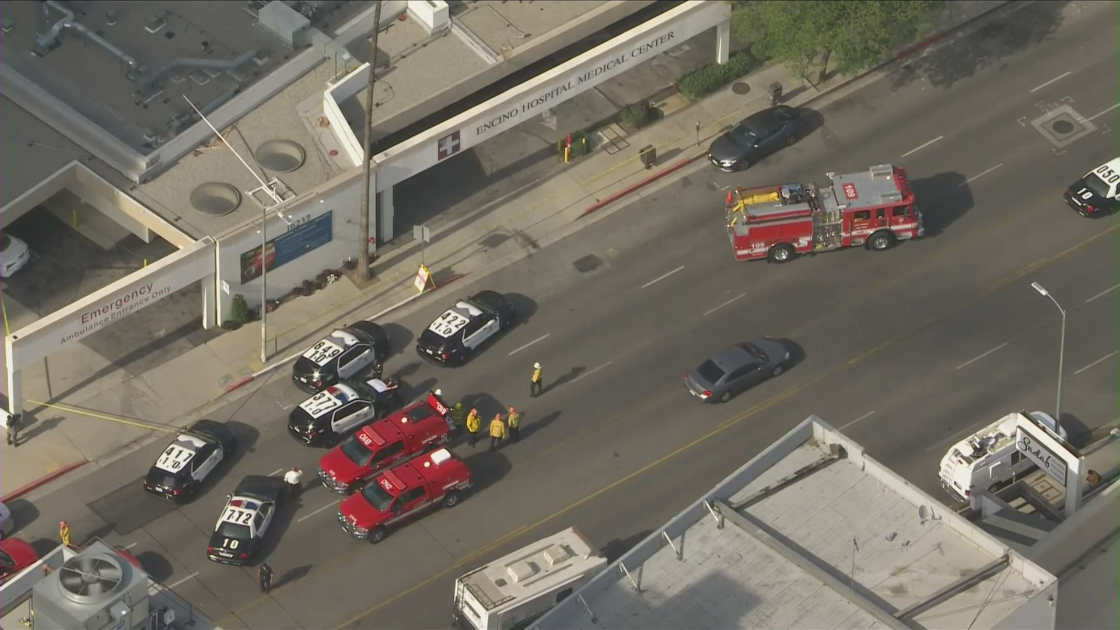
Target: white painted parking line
(1055, 79)
(284, 407)
(130, 546)
(659, 279)
(975, 359)
(325, 507)
(586, 374)
(863, 417)
(1098, 362)
(911, 151)
(1099, 114)
(174, 584)
(976, 177)
(530, 343)
(276, 472)
(709, 312)
(1102, 294)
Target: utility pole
(363, 217)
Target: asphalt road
(906, 350)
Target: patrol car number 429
(462, 329)
(184, 465)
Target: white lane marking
(975, 359)
(325, 507)
(1098, 362)
(659, 279)
(284, 407)
(953, 439)
(1102, 294)
(1057, 78)
(592, 371)
(863, 417)
(530, 343)
(130, 546)
(276, 472)
(937, 139)
(709, 312)
(1099, 114)
(976, 177)
(173, 585)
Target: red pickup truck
(412, 431)
(404, 492)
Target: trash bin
(648, 156)
(775, 92)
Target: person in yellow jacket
(456, 414)
(64, 533)
(474, 425)
(536, 386)
(514, 426)
(497, 432)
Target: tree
(853, 34)
(363, 214)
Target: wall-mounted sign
(1047, 460)
(285, 248)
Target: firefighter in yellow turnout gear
(497, 432)
(474, 426)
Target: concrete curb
(44, 480)
(672, 168)
(288, 359)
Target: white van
(988, 458)
(514, 591)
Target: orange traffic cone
(729, 198)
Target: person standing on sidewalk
(11, 426)
(64, 533)
(294, 479)
(536, 386)
(497, 432)
(474, 426)
(264, 575)
(514, 426)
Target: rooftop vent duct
(285, 22)
(48, 41)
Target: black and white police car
(1095, 194)
(181, 469)
(342, 354)
(462, 329)
(332, 414)
(245, 519)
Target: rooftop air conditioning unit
(285, 23)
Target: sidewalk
(101, 425)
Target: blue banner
(289, 246)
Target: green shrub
(638, 115)
(707, 79)
(581, 145)
(239, 311)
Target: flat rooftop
(814, 535)
(126, 65)
(415, 66)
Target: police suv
(245, 519)
(1095, 194)
(462, 329)
(330, 415)
(183, 466)
(342, 354)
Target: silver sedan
(736, 369)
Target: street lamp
(1061, 349)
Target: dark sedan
(736, 369)
(755, 137)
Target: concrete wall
(340, 196)
(1040, 612)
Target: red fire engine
(874, 208)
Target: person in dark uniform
(264, 575)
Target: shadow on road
(487, 468)
(155, 565)
(400, 338)
(24, 513)
(618, 547)
(797, 354)
(531, 425)
(292, 575)
(524, 307)
(988, 47)
(943, 198)
(411, 393)
(564, 379)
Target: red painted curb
(241, 383)
(913, 48)
(629, 189)
(45, 480)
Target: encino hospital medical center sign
(111, 304)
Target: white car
(14, 254)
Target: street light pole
(264, 285)
(1061, 349)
